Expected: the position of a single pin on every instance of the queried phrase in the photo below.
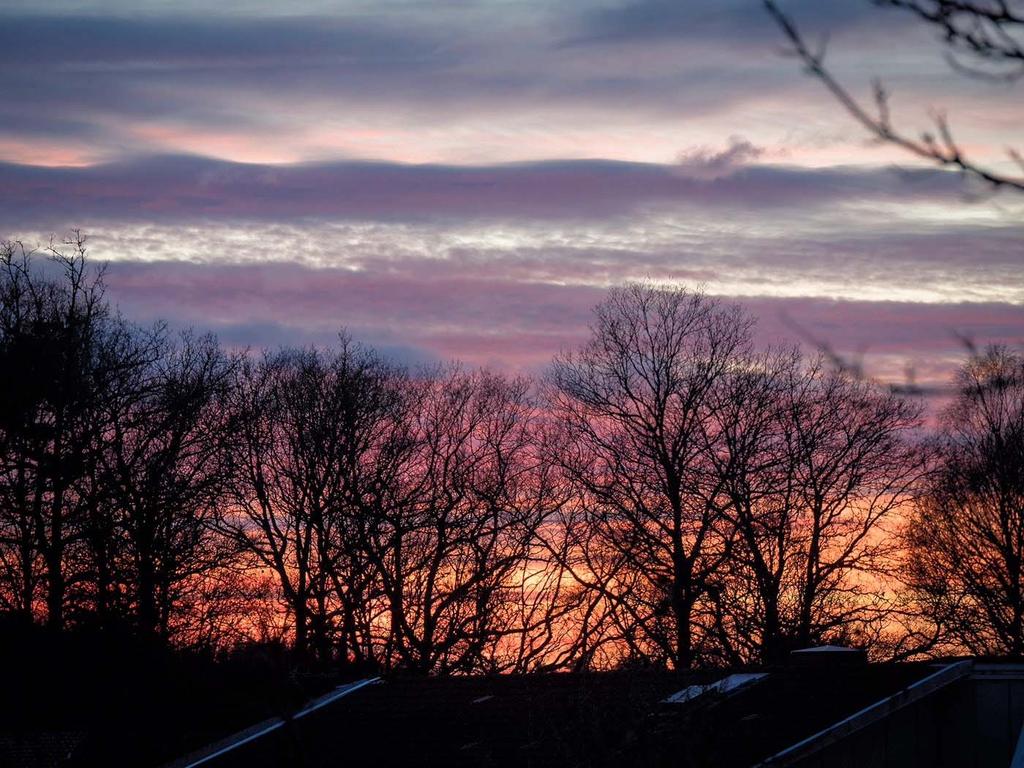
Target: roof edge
(948, 674)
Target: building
(827, 708)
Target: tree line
(667, 494)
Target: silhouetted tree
(60, 353)
(313, 431)
(676, 498)
(398, 513)
(634, 404)
(457, 536)
(965, 563)
(163, 475)
(812, 463)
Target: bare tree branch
(937, 145)
(986, 31)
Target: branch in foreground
(937, 146)
(989, 32)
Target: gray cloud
(741, 23)
(95, 77)
(181, 188)
(705, 163)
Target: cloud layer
(508, 323)
(184, 187)
(466, 178)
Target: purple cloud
(182, 188)
(709, 164)
(512, 323)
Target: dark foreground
(100, 701)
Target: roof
(592, 719)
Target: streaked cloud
(183, 187)
(504, 322)
(464, 178)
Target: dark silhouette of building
(827, 707)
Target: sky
(465, 179)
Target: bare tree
(311, 429)
(634, 404)
(456, 538)
(965, 562)
(62, 352)
(985, 39)
(676, 498)
(162, 478)
(812, 464)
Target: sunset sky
(464, 179)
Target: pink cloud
(511, 323)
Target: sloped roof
(594, 719)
